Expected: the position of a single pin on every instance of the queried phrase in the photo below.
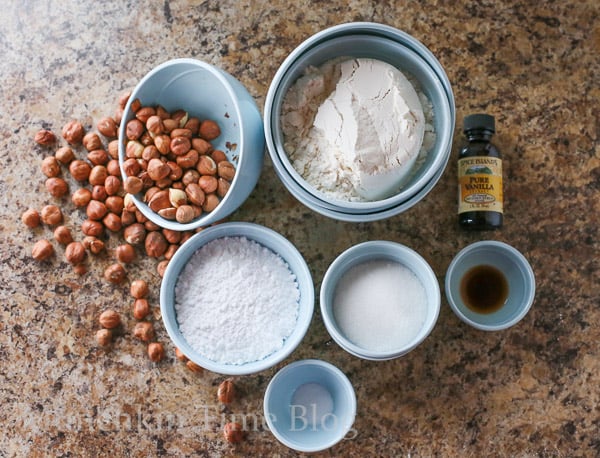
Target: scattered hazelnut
(125, 253)
(112, 222)
(135, 233)
(109, 319)
(113, 168)
(75, 253)
(73, 132)
(98, 175)
(57, 187)
(144, 331)
(50, 166)
(112, 184)
(139, 288)
(80, 170)
(91, 141)
(233, 432)
(80, 269)
(123, 98)
(92, 228)
(209, 130)
(192, 366)
(141, 308)
(62, 234)
(161, 267)
(115, 273)
(179, 355)
(51, 215)
(96, 210)
(31, 218)
(172, 236)
(64, 155)
(107, 127)
(42, 250)
(156, 352)
(81, 197)
(45, 137)
(104, 337)
(114, 204)
(226, 391)
(155, 244)
(94, 244)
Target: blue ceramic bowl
(519, 276)
(269, 239)
(310, 405)
(370, 251)
(206, 92)
(378, 41)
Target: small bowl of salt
(379, 300)
(310, 405)
(237, 298)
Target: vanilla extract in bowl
(484, 289)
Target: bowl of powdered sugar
(237, 298)
(379, 300)
(359, 121)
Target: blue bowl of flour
(237, 298)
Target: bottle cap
(479, 121)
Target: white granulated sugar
(380, 305)
(236, 301)
(356, 129)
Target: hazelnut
(155, 244)
(50, 166)
(115, 273)
(192, 366)
(168, 213)
(185, 214)
(57, 187)
(81, 197)
(195, 194)
(135, 233)
(127, 218)
(73, 132)
(162, 113)
(193, 124)
(113, 168)
(139, 289)
(226, 391)
(135, 105)
(161, 267)
(104, 337)
(80, 170)
(109, 319)
(133, 185)
(163, 144)
(209, 130)
(134, 149)
(112, 184)
(96, 210)
(42, 250)
(134, 129)
(226, 170)
(181, 132)
(155, 125)
(180, 145)
(91, 141)
(170, 124)
(141, 309)
(113, 149)
(208, 183)
(75, 253)
(179, 355)
(177, 197)
(206, 166)
(150, 152)
(172, 236)
(212, 201)
(125, 253)
(218, 156)
(99, 193)
(98, 175)
(176, 171)
(131, 167)
(112, 222)
(233, 432)
(98, 157)
(171, 251)
(188, 160)
(64, 155)
(144, 331)
(92, 228)
(123, 98)
(114, 204)
(144, 113)
(94, 244)
(158, 169)
(151, 226)
(107, 127)
(62, 234)
(31, 218)
(51, 215)
(180, 117)
(45, 137)
(159, 201)
(156, 352)
(201, 145)
(223, 187)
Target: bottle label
(480, 184)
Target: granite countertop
(532, 390)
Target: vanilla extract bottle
(480, 196)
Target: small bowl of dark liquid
(490, 285)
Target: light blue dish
(363, 39)
(269, 239)
(294, 425)
(370, 251)
(515, 267)
(206, 92)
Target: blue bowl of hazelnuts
(191, 145)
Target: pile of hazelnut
(109, 208)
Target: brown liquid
(484, 289)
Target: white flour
(236, 301)
(337, 171)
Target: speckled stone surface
(532, 390)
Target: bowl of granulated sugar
(237, 298)
(379, 300)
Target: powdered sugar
(236, 301)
